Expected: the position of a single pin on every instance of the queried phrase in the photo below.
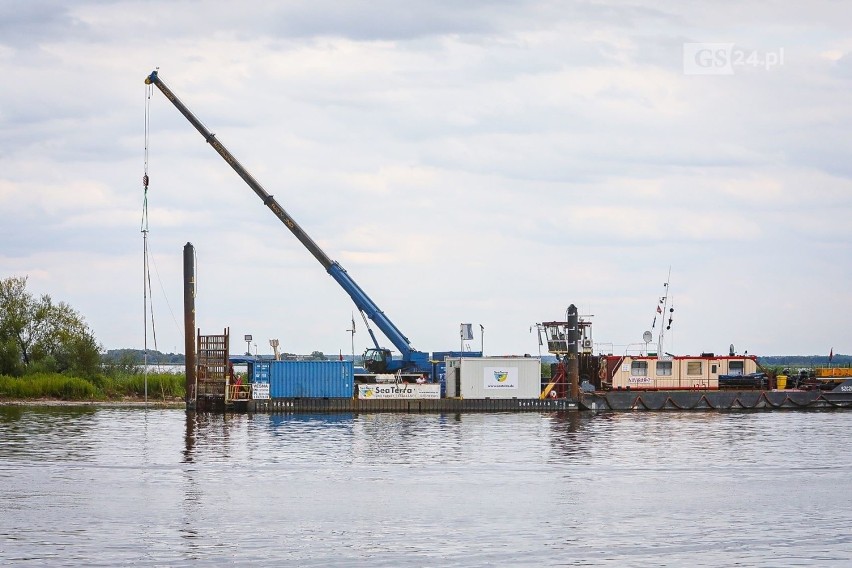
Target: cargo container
(493, 377)
(439, 365)
(306, 379)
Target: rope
(706, 401)
(151, 293)
(148, 92)
(165, 296)
(146, 272)
(144, 229)
(148, 259)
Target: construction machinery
(377, 359)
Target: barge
(458, 384)
(604, 383)
(663, 382)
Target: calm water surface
(158, 487)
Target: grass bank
(161, 386)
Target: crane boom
(411, 359)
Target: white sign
(467, 331)
(500, 377)
(401, 390)
(260, 391)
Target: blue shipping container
(311, 379)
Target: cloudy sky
(483, 162)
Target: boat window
(693, 367)
(735, 367)
(639, 369)
(664, 368)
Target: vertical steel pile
(189, 322)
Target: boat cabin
(652, 372)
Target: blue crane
(376, 359)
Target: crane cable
(146, 272)
(148, 291)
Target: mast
(666, 312)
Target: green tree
(10, 357)
(38, 335)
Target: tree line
(137, 357)
(47, 350)
(806, 360)
(38, 334)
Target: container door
(715, 367)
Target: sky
(478, 162)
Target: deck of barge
(600, 401)
(612, 401)
(355, 405)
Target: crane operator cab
(376, 360)
(556, 334)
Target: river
(110, 486)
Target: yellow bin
(781, 382)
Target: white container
(493, 377)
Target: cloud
(486, 162)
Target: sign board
(399, 390)
(247, 338)
(260, 391)
(500, 378)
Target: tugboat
(646, 378)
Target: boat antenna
(664, 309)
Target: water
(83, 486)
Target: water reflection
(189, 436)
(11, 413)
(165, 487)
(280, 422)
(569, 434)
(29, 433)
(192, 493)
